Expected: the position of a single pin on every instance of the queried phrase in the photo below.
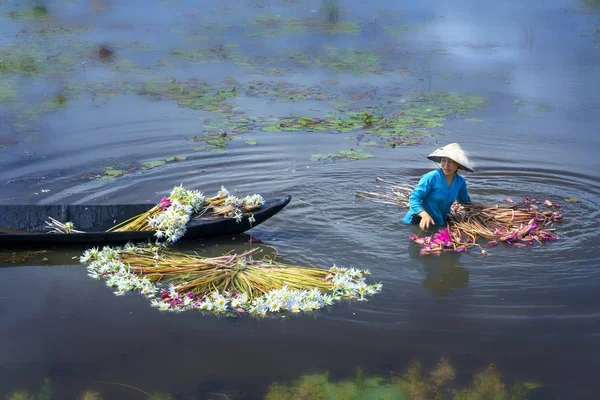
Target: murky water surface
(81, 123)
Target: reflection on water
(445, 276)
(443, 273)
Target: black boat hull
(24, 225)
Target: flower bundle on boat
(169, 218)
(176, 281)
(517, 224)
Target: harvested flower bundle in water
(518, 224)
(176, 281)
(395, 194)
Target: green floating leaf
(369, 143)
(30, 13)
(304, 121)
(153, 164)
(351, 154)
(473, 120)
(212, 149)
(113, 173)
(251, 142)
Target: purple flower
(443, 236)
(165, 203)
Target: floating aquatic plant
(175, 281)
(215, 141)
(30, 13)
(216, 53)
(193, 95)
(15, 60)
(332, 10)
(357, 61)
(270, 26)
(285, 92)
(592, 4)
(8, 91)
(390, 126)
(352, 154)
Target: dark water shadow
(443, 273)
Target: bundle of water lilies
(176, 281)
(517, 224)
(170, 216)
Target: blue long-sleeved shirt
(433, 195)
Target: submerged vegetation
(439, 384)
(44, 393)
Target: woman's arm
(415, 201)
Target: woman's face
(449, 166)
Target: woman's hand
(426, 220)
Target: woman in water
(431, 199)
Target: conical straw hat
(453, 152)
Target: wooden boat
(25, 225)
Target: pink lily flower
(165, 203)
